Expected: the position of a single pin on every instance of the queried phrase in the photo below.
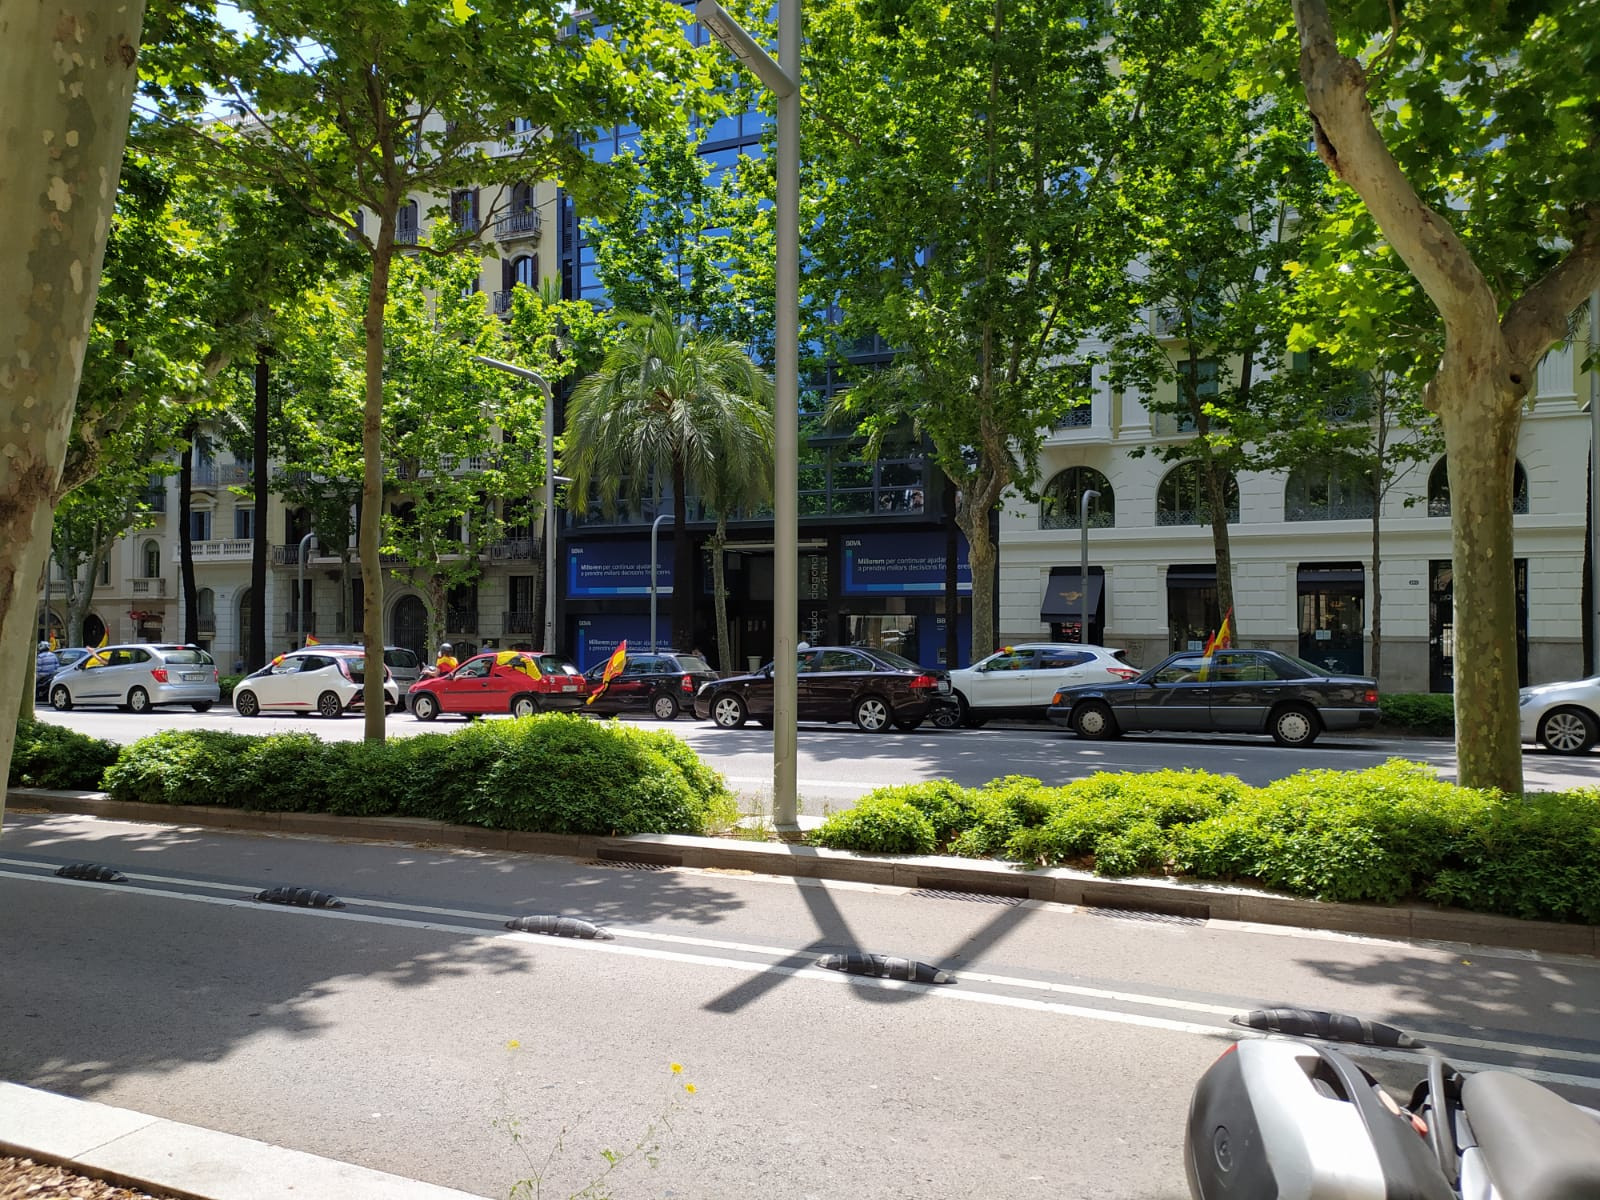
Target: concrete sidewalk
(155, 1155)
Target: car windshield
(187, 657)
(693, 664)
(1311, 668)
(895, 660)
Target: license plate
(569, 687)
(944, 687)
(191, 677)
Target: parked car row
(1092, 690)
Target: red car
(501, 681)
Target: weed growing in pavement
(646, 1147)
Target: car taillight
(924, 681)
(1371, 696)
(687, 685)
(216, 675)
(1123, 673)
(159, 674)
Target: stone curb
(134, 1150)
(980, 876)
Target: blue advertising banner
(617, 568)
(598, 637)
(901, 564)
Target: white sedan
(1023, 680)
(1564, 717)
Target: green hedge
(48, 756)
(1418, 712)
(1389, 834)
(552, 774)
(227, 683)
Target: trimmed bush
(227, 683)
(879, 824)
(551, 774)
(1419, 712)
(48, 756)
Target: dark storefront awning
(1310, 574)
(1192, 577)
(1063, 595)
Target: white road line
(817, 975)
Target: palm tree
(671, 404)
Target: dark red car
(502, 681)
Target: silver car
(319, 679)
(1564, 717)
(405, 668)
(138, 677)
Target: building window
(200, 525)
(525, 271)
(1059, 505)
(1318, 494)
(405, 225)
(152, 560)
(464, 209)
(1439, 490)
(1181, 498)
(244, 523)
(522, 198)
(105, 572)
(1081, 414)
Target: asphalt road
(405, 1031)
(838, 763)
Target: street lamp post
(655, 533)
(782, 79)
(1083, 561)
(549, 489)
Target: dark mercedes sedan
(1229, 691)
(873, 688)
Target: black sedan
(873, 688)
(1229, 691)
(661, 683)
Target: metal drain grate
(625, 864)
(975, 897)
(1132, 914)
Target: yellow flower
(690, 1088)
(677, 1068)
(513, 1044)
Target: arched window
(1059, 504)
(1320, 494)
(1181, 498)
(152, 560)
(522, 198)
(405, 224)
(1439, 489)
(525, 270)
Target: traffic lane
(1185, 969)
(390, 1046)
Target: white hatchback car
(1021, 681)
(316, 679)
(1564, 717)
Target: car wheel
(872, 714)
(970, 717)
(424, 708)
(61, 699)
(524, 706)
(665, 707)
(139, 700)
(201, 706)
(1094, 719)
(908, 726)
(1294, 725)
(728, 711)
(947, 716)
(329, 705)
(1567, 731)
(246, 704)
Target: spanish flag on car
(1223, 638)
(613, 669)
(518, 661)
(311, 640)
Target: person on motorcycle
(446, 661)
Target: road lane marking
(813, 974)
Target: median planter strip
(1052, 884)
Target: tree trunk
(683, 564)
(370, 537)
(1480, 444)
(984, 559)
(255, 655)
(66, 81)
(724, 649)
(191, 596)
(1221, 546)
(1377, 593)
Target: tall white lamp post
(782, 79)
(549, 489)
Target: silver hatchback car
(138, 677)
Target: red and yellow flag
(311, 640)
(1223, 638)
(614, 666)
(518, 661)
